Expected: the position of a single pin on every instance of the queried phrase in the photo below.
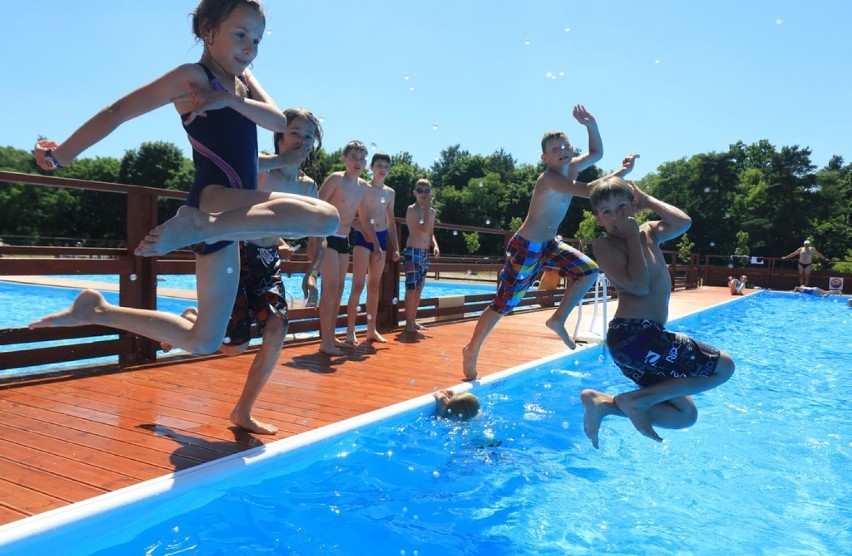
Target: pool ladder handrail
(592, 336)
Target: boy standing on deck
(534, 245)
(367, 261)
(344, 191)
(420, 220)
(668, 367)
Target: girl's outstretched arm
(155, 94)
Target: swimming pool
(766, 470)
(52, 299)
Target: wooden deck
(64, 439)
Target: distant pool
(766, 470)
(293, 285)
(32, 302)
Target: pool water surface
(766, 469)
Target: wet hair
(462, 406)
(550, 136)
(354, 146)
(210, 14)
(295, 114)
(605, 188)
(380, 156)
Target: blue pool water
(766, 470)
(33, 302)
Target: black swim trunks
(339, 244)
(647, 353)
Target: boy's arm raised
(673, 221)
(595, 152)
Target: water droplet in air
(487, 221)
(372, 220)
(411, 89)
(132, 277)
(712, 244)
(565, 424)
(358, 308)
(394, 301)
(779, 21)
(436, 475)
(413, 381)
(229, 270)
(383, 200)
(421, 221)
(434, 127)
(707, 189)
(527, 42)
(567, 29)
(226, 340)
(480, 184)
(369, 317)
(406, 78)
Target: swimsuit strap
(216, 85)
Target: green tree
(471, 241)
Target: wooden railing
(138, 281)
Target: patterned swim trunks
(524, 261)
(260, 293)
(416, 265)
(647, 353)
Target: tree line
(754, 199)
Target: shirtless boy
(420, 220)
(343, 190)
(368, 257)
(534, 245)
(668, 367)
(806, 254)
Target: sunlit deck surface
(67, 438)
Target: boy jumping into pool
(534, 245)
(260, 295)
(668, 367)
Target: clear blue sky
(665, 78)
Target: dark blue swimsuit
(224, 149)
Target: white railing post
(594, 336)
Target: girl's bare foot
(82, 311)
(184, 228)
(249, 423)
(559, 327)
(350, 341)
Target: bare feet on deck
(594, 410)
(350, 341)
(376, 337)
(332, 349)
(81, 312)
(639, 416)
(184, 228)
(469, 358)
(249, 423)
(559, 327)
